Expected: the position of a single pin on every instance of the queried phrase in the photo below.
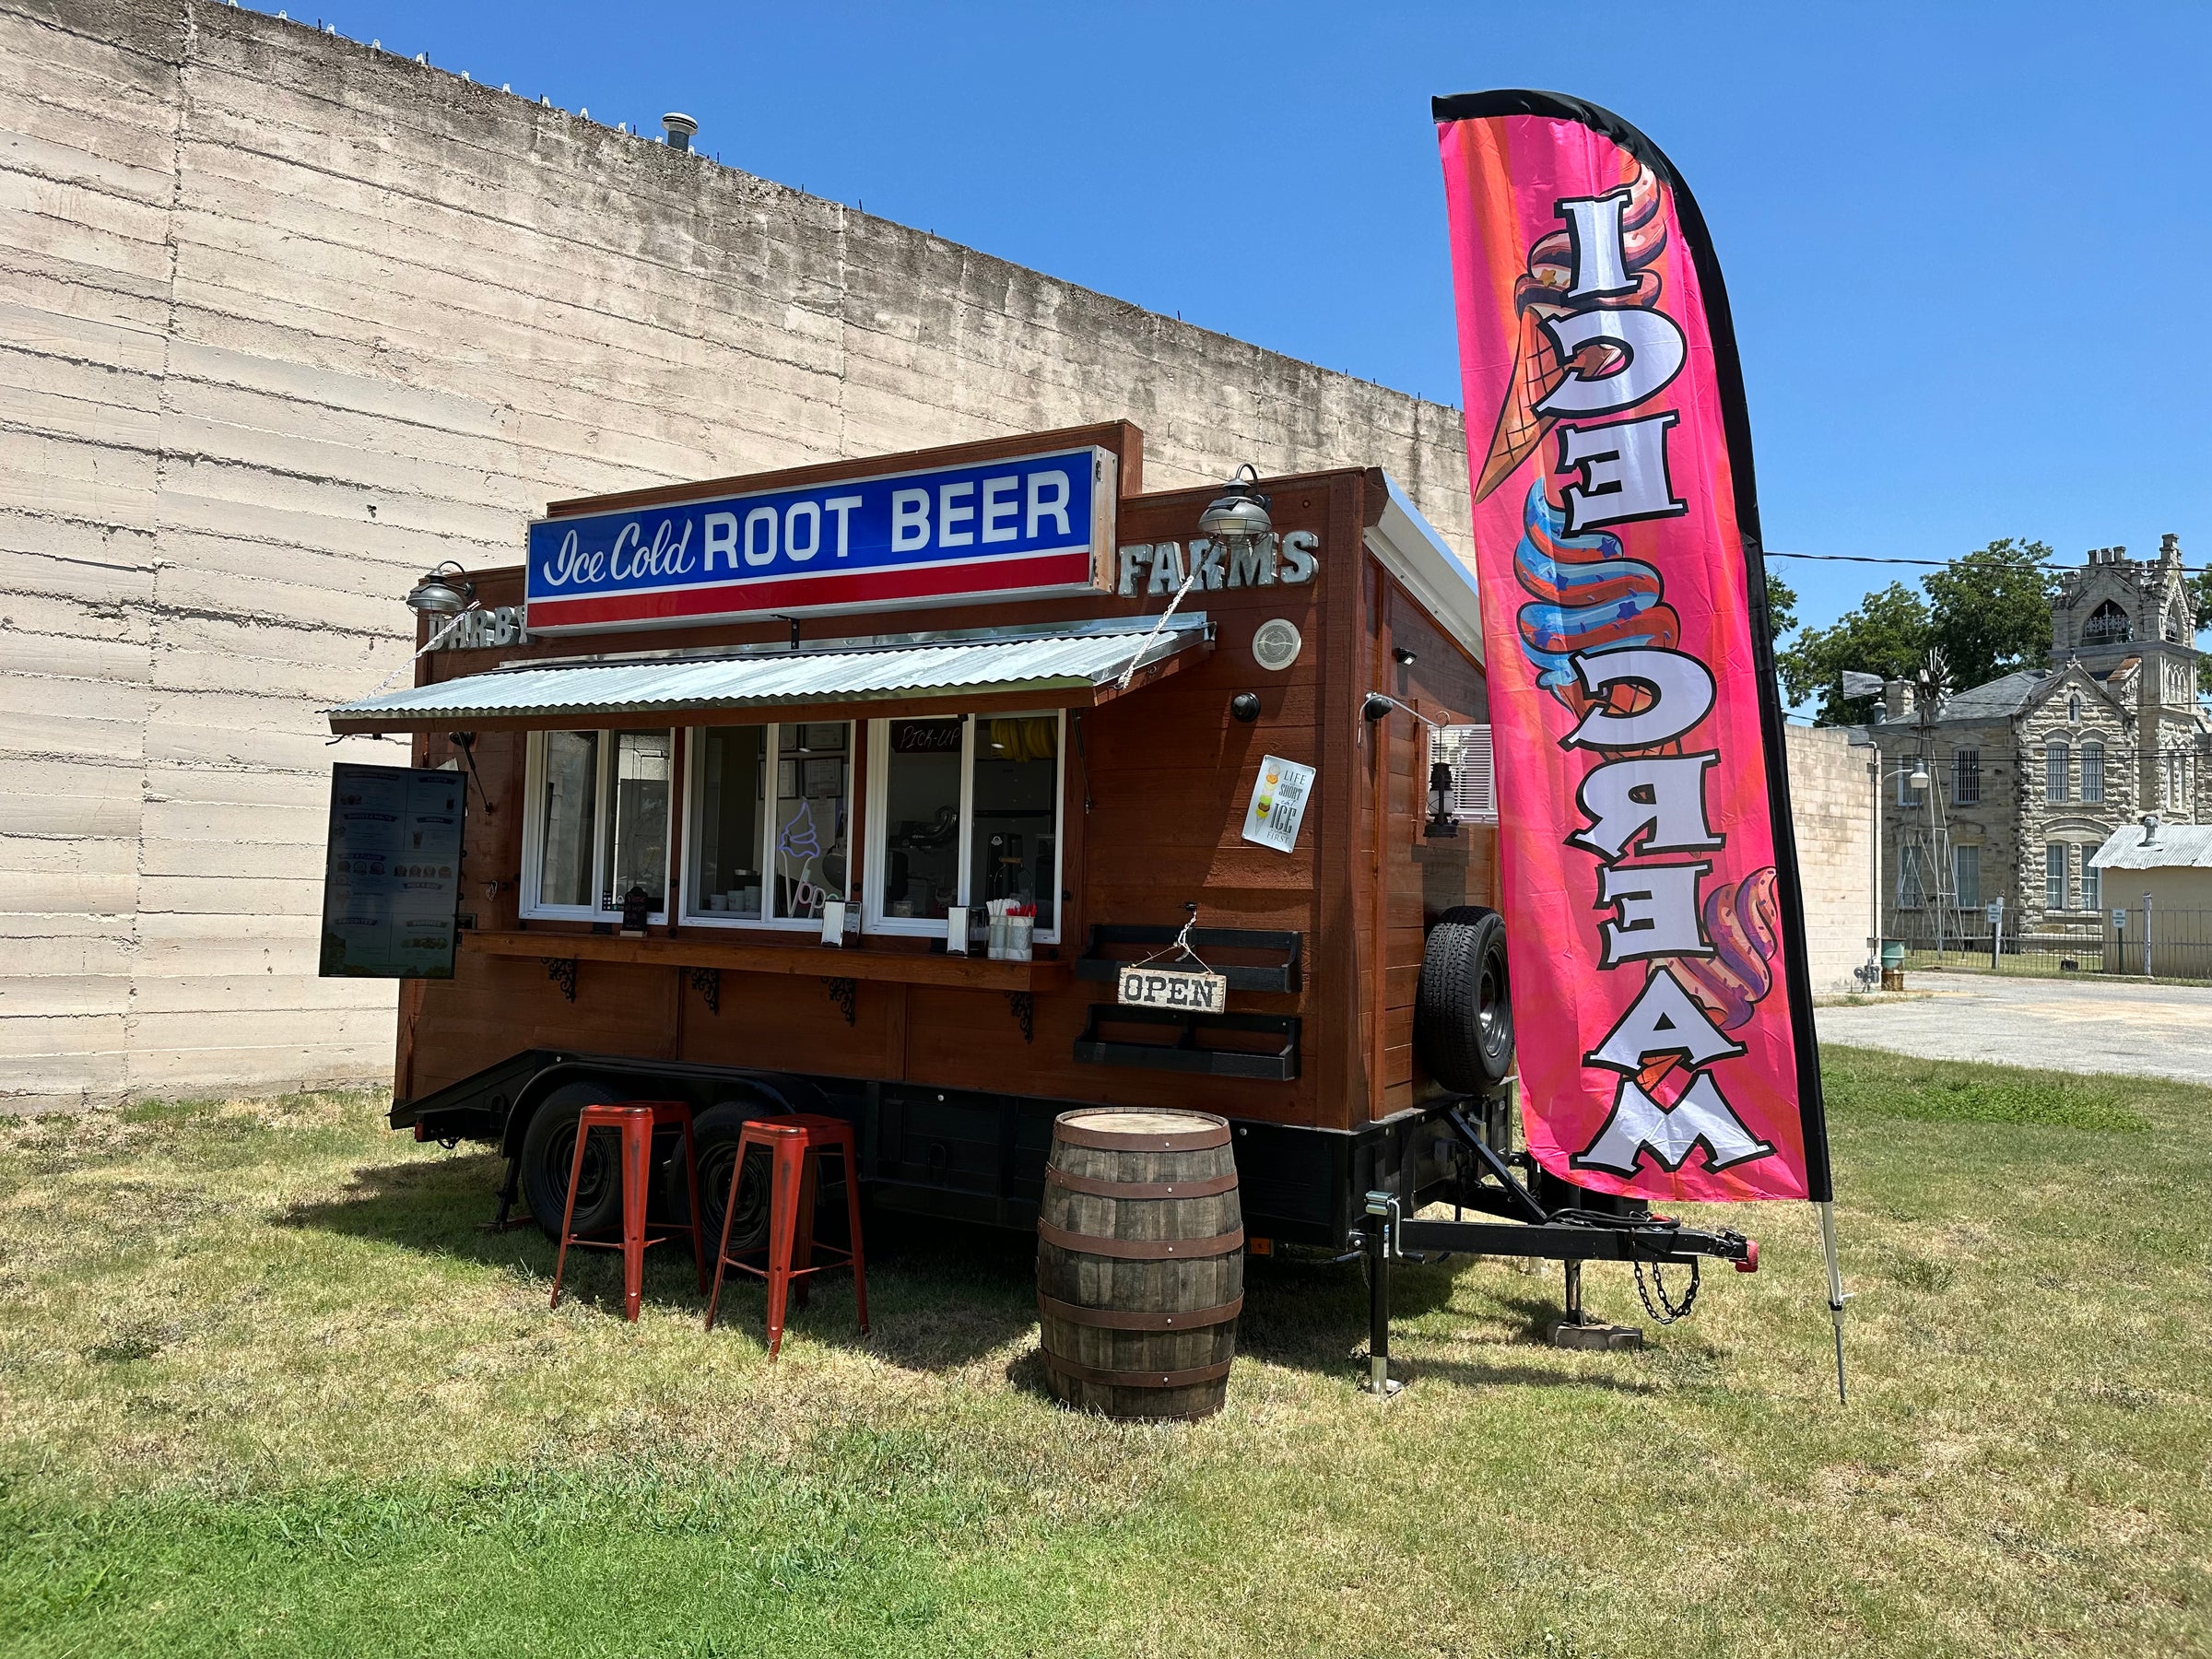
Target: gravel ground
(2079, 1024)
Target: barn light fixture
(1238, 516)
(434, 596)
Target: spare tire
(1462, 1016)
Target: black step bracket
(1188, 1052)
(1115, 946)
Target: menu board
(391, 878)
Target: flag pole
(1835, 1289)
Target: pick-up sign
(1177, 988)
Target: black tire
(1463, 1016)
(718, 1129)
(548, 1150)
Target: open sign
(1172, 988)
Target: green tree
(2200, 595)
(1990, 610)
(1782, 605)
(1888, 635)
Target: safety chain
(1662, 1310)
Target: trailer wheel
(718, 1129)
(549, 1151)
(1463, 1016)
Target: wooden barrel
(1140, 1261)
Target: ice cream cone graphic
(1543, 292)
(1536, 371)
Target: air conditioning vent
(1466, 750)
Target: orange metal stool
(796, 1145)
(635, 1121)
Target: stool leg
(568, 1216)
(782, 1226)
(860, 1265)
(699, 1216)
(637, 1158)
(729, 1214)
(802, 1249)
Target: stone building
(2030, 773)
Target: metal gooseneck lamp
(436, 597)
(1238, 516)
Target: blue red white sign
(1011, 529)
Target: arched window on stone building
(2092, 772)
(2055, 771)
(2073, 709)
(2107, 626)
(2176, 633)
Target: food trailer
(946, 791)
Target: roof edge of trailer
(1411, 550)
(1069, 668)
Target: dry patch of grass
(265, 1386)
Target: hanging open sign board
(1176, 988)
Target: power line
(1936, 564)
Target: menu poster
(392, 879)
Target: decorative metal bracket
(707, 981)
(1024, 1007)
(842, 993)
(562, 971)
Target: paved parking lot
(2090, 1024)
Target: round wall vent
(1276, 644)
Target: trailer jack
(1571, 1237)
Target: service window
(769, 823)
(963, 810)
(597, 822)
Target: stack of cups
(1013, 927)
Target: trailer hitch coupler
(1749, 1264)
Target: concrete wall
(283, 321)
(1829, 798)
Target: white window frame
(694, 802)
(1960, 862)
(2064, 870)
(2064, 755)
(2088, 746)
(877, 804)
(530, 908)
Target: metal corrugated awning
(1074, 665)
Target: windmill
(1927, 843)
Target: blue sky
(1961, 242)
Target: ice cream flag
(1655, 936)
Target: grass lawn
(264, 1389)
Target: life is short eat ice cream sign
(1018, 528)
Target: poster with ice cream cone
(1653, 925)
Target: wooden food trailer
(855, 789)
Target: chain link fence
(2144, 940)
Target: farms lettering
(1265, 561)
(1595, 355)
